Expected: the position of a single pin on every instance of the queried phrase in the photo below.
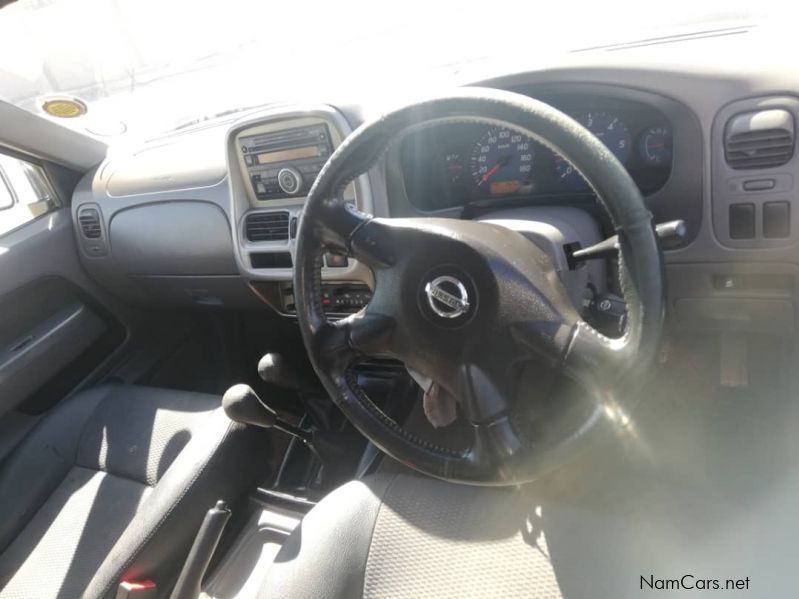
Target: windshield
(121, 68)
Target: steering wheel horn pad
(464, 302)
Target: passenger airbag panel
(173, 238)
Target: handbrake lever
(673, 229)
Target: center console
(273, 160)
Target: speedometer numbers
(502, 162)
(610, 130)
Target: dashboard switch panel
(338, 299)
(753, 173)
(776, 220)
(742, 221)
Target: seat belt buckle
(144, 589)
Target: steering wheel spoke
(340, 344)
(544, 342)
(595, 359)
(486, 407)
(345, 228)
(368, 333)
(481, 397)
(495, 446)
(337, 220)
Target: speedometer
(502, 162)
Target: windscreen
(140, 67)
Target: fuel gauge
(454, 166)
(655, 145)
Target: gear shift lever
(273, 368)
(242, 404)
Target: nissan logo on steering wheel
(447, 297)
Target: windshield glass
(141, 67)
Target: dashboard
(208, 216)
(458, 163)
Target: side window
(7, 198)
(25, 193)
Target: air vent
(89, 219)
(267, 226)
(763, 139)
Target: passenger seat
(112, 485)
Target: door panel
(45, 328)
(56, 326)
(59, 331)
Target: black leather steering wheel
(464, 302)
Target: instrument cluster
(455, 164)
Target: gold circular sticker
(64, 108)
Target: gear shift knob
(274, 369)
(242, 404)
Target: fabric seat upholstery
(395, 536)
(113, 485)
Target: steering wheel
(464, 302)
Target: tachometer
(502, 162)
(610, 130)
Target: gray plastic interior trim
(552, 227)
(45, 351)
(180, 165)
(172, 238)
(240, 573)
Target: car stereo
(285, 163)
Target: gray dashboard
(172, 215)
(172, 212)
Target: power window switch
(742, 221)
(776, 220)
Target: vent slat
(748, 147)
(760, 163)
(760, 136)
(267, 226)
(777, 154)
(759, 146)
(89, 220)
